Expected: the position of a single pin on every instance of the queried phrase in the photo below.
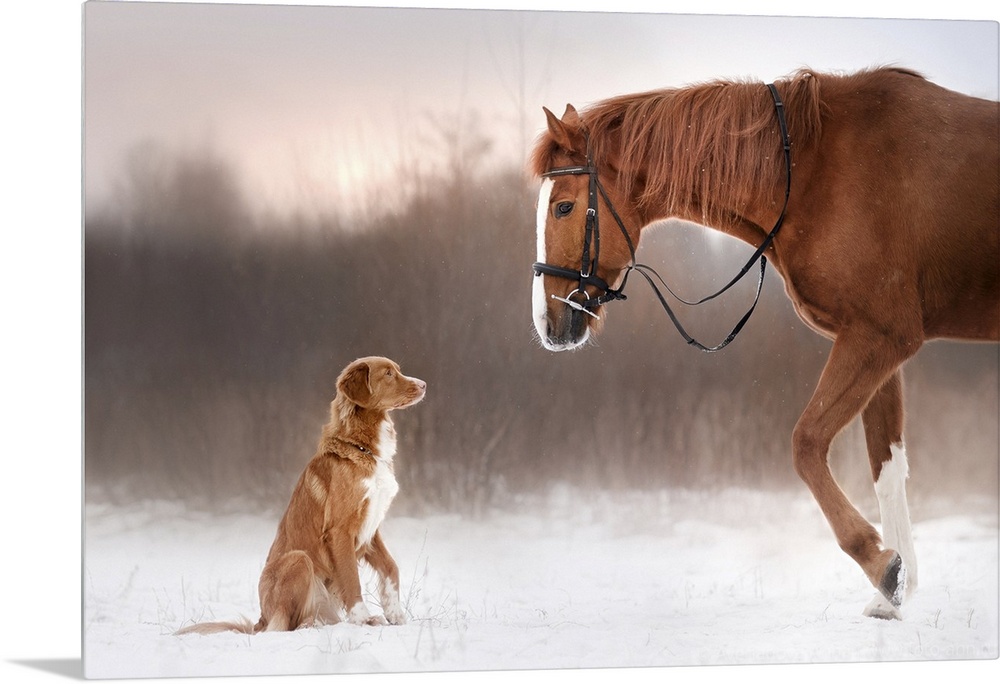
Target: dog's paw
(395, 617)
(359, 615)
(391, 607)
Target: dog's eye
(563, 209)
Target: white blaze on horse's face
(540, 301)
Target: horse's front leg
(859, 365)
(883, 422)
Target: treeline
(213, 340)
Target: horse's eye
(563, 209)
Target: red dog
(311, 573)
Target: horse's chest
(813, 319)
(808, 308)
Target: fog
(212, 350)
(220, 305)
(272, 191)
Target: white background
(40, 162)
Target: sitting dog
(332, 521)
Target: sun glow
(316, 175)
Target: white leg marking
(539, 305)
(390, 603)
(895, 513)
(890, 489)
(359, 615)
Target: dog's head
(375, 382)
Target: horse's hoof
(880, 609)
(893, 584)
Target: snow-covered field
(577, 581)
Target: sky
(317, 105)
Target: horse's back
(920, 145)
(955, 209)
(909, 172)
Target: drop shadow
(71, 668)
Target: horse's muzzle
(566, 327)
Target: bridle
(587, 275)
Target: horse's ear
(570, 116)
(568, 131)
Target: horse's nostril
(567, 326)
(578, 324)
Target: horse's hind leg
(883, 422)
(859, 365)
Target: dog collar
(359, 447)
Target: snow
(571, 580)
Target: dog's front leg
(377, 556)
(346, 579)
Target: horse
(884, 186)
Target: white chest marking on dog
(538, 303)
(381, 488)
(386, 447)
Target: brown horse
(888, 215)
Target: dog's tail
(243, 626)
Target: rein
(587, 275)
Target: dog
(310, 577)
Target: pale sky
(310, 103)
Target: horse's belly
(977, 322)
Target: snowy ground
(677, 578)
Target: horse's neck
(752, 232)
(742, 181)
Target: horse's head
(578, 265)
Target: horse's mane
(709, 148)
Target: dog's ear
(355, 384)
